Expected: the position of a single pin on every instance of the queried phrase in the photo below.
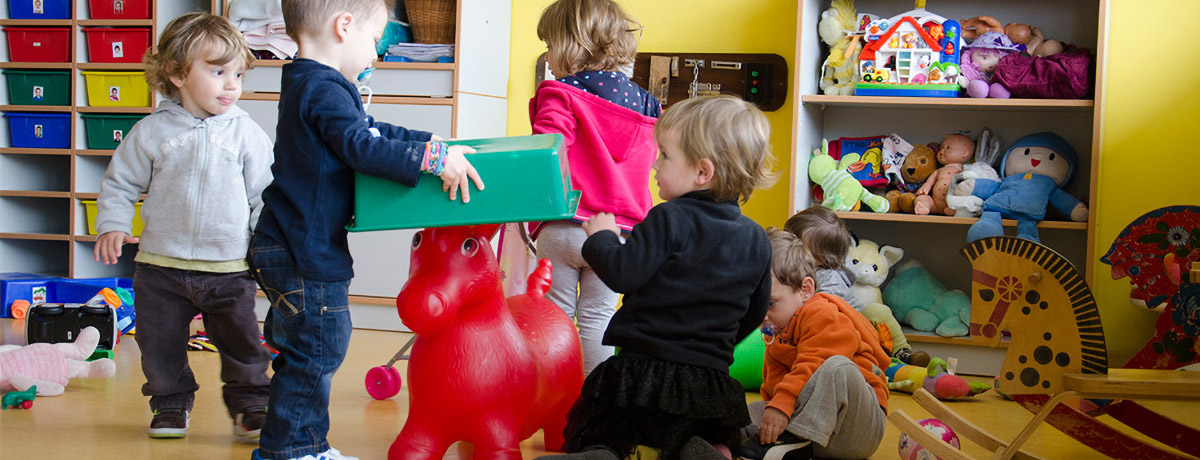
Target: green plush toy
(921, 301)
(842, 191)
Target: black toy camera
(61, 322)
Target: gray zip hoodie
(203, 181)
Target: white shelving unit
(43, 227)
(936, 240)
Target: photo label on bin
(37, 131)
(37, 44)
(118, 7)
(39, 295)
(117, 50)
(37, 7)
(114, 93)
(117, 135)
(37, 93)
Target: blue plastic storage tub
(40, 130)
(27, 286)
(67, 290)
(39, 9)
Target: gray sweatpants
(577, 289)
(837, 410)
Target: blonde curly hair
(190, 37)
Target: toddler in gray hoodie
(203, 164)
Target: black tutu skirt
(633, 399)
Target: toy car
(22, 399)
(878, 76)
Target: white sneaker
(779, 450)
(331, 454)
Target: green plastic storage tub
(38, 87)
(106, 130)
(525, 179)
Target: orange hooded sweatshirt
(823, 327)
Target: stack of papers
(422, 52)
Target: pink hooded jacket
(610, 150)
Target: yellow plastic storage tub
(117, 89)
(90, 206)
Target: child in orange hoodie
(823, 389)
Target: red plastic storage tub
(116, 45)
(119, 9)
(39, 44)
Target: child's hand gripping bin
(527, 180)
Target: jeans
(309, 323)
(167, 300)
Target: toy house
(910, 55)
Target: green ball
(747, 365)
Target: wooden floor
(107, 418)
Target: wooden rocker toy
(1056, 365)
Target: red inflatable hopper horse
(483, 369)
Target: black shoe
(589, 453)
(915, 358)
(248, 424)
(169, 423)
(699, 449)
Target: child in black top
(696, 277)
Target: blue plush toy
(1036, 168)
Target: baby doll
(956, 150)
(1032, 40)
(1036, 168)
(980, 60)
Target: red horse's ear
(487, 231)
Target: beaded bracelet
(435, 157)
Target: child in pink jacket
(607, 123)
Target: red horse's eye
(469, 247)
(416, 240)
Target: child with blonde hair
(203, 164)
(823, 388)
(696, 278)
(828, 240)
(299, 252)
(607, 123)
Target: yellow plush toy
(842, 192)
(839, 73)
(870, 264)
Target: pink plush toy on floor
(483, 369)
(51, 366)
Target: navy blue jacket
(323, 137)
(696, 275)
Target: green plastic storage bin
(38, 87)
(106, 130)
(525, 179)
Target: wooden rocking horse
(1057, 353)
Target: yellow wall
(1150, 133)
(707, 26)
(1152, 112)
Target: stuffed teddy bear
(918, 165)
(870, 265)
(1036, 168)
(842, 191)
(956, 149)
(50, 366)
(979, 62)
(921, 301)
(839, 71)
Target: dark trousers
(167, 300)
